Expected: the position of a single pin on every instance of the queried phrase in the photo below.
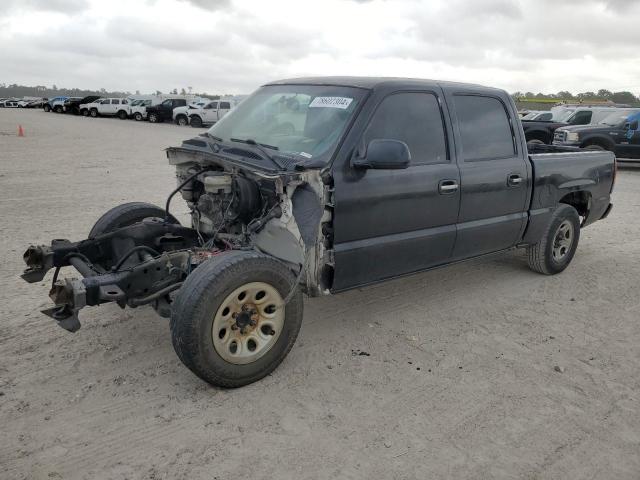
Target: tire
(138, 117)
(47, 108)
(93, 112)
(153, 118)
(201, 302)
(122, 115)
(84, 112)
(196, 121)
(182, 121)
(551, 254)
(126, 214)
(58, 109)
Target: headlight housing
(573, 137)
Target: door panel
(389, 223)
(392, 222)
(494, 175)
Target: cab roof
(371, 83)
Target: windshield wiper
(213, 137)
(263, 149)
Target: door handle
(447, 187)
(514, 180)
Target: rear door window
(415, 119)
(485, 128)
(225, 105)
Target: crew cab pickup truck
(618, 133)
(164, 111)
(55, 104)
(209, 114)
(321, 185)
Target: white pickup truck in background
(120, 107)
(209, 113)
(181, 114)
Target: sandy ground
(459, 380)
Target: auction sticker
(331, 102)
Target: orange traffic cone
(20, 131)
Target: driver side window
(414, 118)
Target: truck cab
(164, 111)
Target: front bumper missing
(115, 267)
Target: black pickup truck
(164, 111)
(72, 105)
(320, 185)
(618, 133)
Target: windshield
(617, 118)
(530, 116)
(304, 121)
(562, 115)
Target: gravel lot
(446, 374)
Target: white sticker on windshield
(331, 102)
(305, 154)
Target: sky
(234, 46)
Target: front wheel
(196, 121)
(122, 115)
(555, 250)
(229, 321)
(93, 112)
(153, 118)
(182, 121)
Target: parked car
(10, 103)
(181, 114)
(37, 103)
(540, 131)
(54, 104)
(107, 107)
(618, 133)
(384, 178)
(72, 105)
(209, 113)
(138, 109)
(164, 111)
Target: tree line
(601, 95)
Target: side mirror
(383, 154)
(633, 125)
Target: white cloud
(234, 46)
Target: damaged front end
(233, 206)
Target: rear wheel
(93, 112)
(229, 323)
(84, 112)
(58, 109)
(196, 121)
(182, 121)
(122, 115)
(555, 250)
(47, 108)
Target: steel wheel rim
(562, 241)
(239, 342)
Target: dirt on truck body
(317, 186)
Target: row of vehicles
(181, 109)
(595, 127)
(27, 102)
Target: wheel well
(580, 200)
(597, 141)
